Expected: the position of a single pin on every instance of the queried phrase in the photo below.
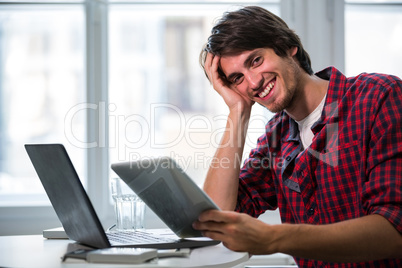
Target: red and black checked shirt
(352, 168)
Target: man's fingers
(208, 64)
(214, 235)
(218, 216)
(214, 67)
(211, 67)
(209, 226)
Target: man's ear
(293, 51)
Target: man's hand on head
(231, 97)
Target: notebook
(76, 212)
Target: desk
(36, 251)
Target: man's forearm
(368, 238)
(221, 183)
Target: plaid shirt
(352, 168)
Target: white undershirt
(306, 135)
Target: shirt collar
(293, 129)
(335, 92)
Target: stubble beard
(285, 102)
(290, 96)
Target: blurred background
(120, 80)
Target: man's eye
(237, 80)
(257, 61)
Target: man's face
(263, 76)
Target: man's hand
(237, 231)
(232, 98)
(371, 237)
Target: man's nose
(254, 80)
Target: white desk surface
(36, 251)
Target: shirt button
(310, 212)
(288, 158)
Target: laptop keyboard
(138, 237)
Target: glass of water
(129, 208)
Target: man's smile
(262, 93)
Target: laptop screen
(67, 195)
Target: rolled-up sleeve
(256, 185)
(382, 191)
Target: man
(330, 160)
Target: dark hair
(250, 28)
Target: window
(160, 101)
(42, 77)
(82, 72)
(373, 37)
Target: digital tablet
(168, 191)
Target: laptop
(77, 214)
